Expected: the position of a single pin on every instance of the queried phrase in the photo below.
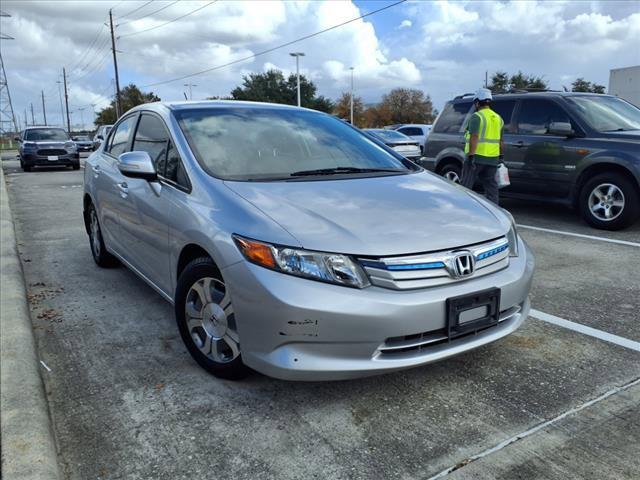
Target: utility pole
(190, 85)
(66, 99)
(44, 110)
(486, 78)
(351, 96)
(33, 118)
(298, 55)
(82, 116)
(115, 66)
(59, 82)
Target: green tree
(342, 108)
(272, 86)
(130, 96)
(581, 85)
(406, 105)
(501, 82)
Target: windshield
(388, 135)
(239, 143)
(46, 134)
(607, 114)
(82, 138)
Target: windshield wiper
(339, 170)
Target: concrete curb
(28, 445)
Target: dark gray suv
(582, 150)
(47, 146)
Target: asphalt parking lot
(128, 402)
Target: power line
(135, 9)
(218, 67)
(88, 49)
(148, 14)
(167, 23)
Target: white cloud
(405, 24)
(52, 34)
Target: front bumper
(428, 162)
(39, 160)
(297, 329)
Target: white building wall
(625, 83)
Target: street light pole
(298, 55)
(351, 99)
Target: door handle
(96, 170)
(518, 144)
(124, 189)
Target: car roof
(208, 104)
(468, 97)
(40, 127)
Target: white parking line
(535, 429)
(580, 235)
(592, 332)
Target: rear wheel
(206, 320)
(609, 201)
(75, 165)
(452, 172)
(100, 255)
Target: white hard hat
(483, 94)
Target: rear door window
(504, 108)
(536, 115)
(452, 117)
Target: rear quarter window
(452, 117)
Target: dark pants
(486, 175)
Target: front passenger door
(144, 222)
(548, 160)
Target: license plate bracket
(473, 311)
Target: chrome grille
(421, 342)
(437, 268)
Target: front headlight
(29, 145)
(323, 267)
(512, 236)
(70, 146)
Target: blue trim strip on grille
(492, 252)
(416, 266)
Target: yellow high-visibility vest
(489, 136)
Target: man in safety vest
(483, 146)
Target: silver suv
(293, 244)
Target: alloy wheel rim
(606, 202)
(211, 321)
(452, 176)
(95, 234)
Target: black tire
(75, 165)
(623, 202)
(452, 171)
(98, 250)
(201, 270)
(25, 167)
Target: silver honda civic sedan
(293, 244)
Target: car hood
(627, 135)
(48, 143)
(392, 215)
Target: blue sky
(442, 48)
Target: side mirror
(100, 137)
(75, 139)
(17, 139)
(137, 165)
(562, 129)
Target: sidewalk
(28, 445)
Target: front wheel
(75, 165)
(609, 202)
(206, 320)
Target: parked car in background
(400, 143)
(295, 244)
(577, 149)
(47, 146)
(100, 135)
(418, 132)
(83, 142)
